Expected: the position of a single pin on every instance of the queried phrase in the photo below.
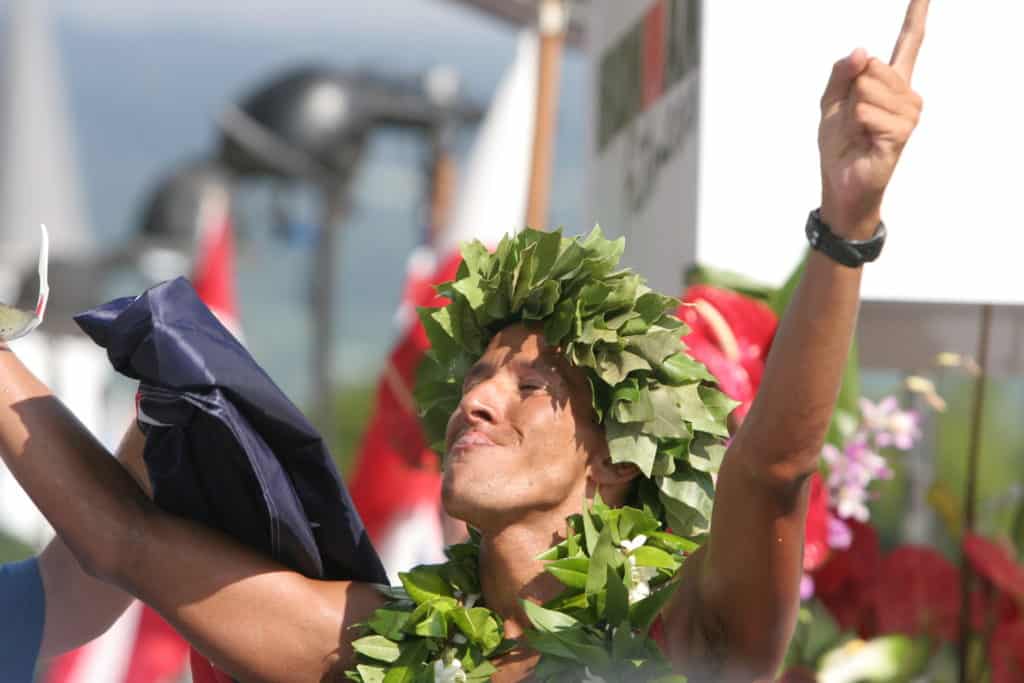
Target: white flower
(451, 673)
(640, 578)
(630, 546)
(591, 678)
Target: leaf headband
(654, 400)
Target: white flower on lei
(640, 576)
(630, 546)
(452, 673)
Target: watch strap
(850, 253)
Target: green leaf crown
(653, 399)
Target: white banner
(954, 224)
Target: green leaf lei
(618, 567)
(659, 413)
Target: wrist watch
(850, 253)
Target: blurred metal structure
(171, 220)
(312, 124)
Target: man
(524, 448)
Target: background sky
(147, 79)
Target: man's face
(519, 442)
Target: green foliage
(598, 625)
(653, 399)
(726, 279)
(353, 405)
(430, 619)
(12, 550)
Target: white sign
(955, 227)
(642, 179)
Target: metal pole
(323, 302)
(971, 486)
(553, 21)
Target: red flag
(397, 475)
(140, 648)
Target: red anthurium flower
(816, 549)
(845, 583)
(731, 334)
(995, 563)
(918, 593)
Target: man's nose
(481, 403)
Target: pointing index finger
(904, 55)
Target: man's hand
(868, 112)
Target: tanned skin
(524, 452)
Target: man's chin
(463, 501)
(454, 502)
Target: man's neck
(510, 572)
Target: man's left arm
(736, 609)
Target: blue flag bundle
(224, 445)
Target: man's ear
(612, 480)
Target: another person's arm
(80, 607)
(50, 604)
(256, 620)
(737, 606)
(23, 605)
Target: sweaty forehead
(524, 345)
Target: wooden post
(553, 21)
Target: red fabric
(214, 273)
(157, 655)
(395, 470)
(62, 669)
(816, 549)
(654, 45)
(204, 672)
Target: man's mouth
(471, 439)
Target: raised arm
(737, 606)
(256, 620)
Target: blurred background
(310, 165)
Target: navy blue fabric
(23, 606)
(224, 445)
